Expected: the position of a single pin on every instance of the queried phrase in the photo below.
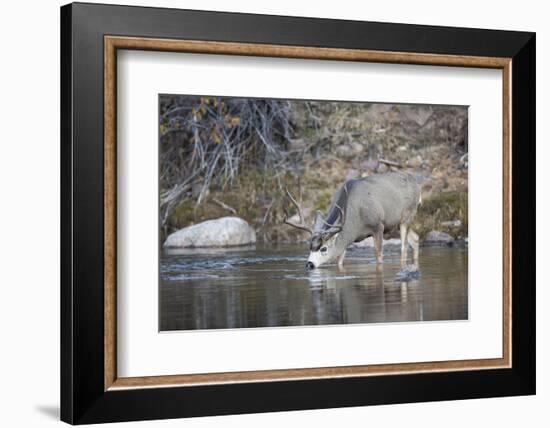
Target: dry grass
(317, 147)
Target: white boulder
(220, 232)
(369, 242)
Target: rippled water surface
(269, 286)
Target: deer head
(323, 243)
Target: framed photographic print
(265, 213)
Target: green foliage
(183, 214)
(443, 207)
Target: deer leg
(412, 238)
(378, 239)
(404, 244)
(341, 260)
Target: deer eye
(324, 250)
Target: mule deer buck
(377, 206)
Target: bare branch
(224, 205)
(390, 163)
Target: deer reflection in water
(381, 294)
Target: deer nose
(310, 266)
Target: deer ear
(317, 241)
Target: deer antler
(302, 225)
(335, 228)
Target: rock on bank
(220, 232)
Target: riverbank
(334, 142)
(446, 211)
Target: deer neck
(344, 239)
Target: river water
(268, 286)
